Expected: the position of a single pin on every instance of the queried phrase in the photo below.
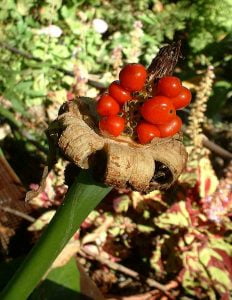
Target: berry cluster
(131, 79)
(158, 113)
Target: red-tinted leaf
(207, 185)
(216, 263)
(227, 260)
(225, 296)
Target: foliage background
(55, 39)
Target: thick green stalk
(80, 200)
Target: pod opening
(162, 174)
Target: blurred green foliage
(204, 26)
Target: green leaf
(56, 3)
(61, 51)
(205, 255)
(178, 217)
(23, 6)
(121, 204)
(16, 102)
(219, 98)
(61, 283)
(220, 243)
(42, 221)
(145, 228)
(9, 116)
(67, 275)
(220, 276)
(200, 40)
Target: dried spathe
(119, 160)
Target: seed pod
(121, 162)
(118, 162)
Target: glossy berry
(132, 77)
(146, 132)
(119, 93)
(169, 86)
(170, 128)
(107, 106)
(158, 110)
(112, 125)
(182, 99)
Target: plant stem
(81, 199)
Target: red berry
(107, 106)
(70, 96)
(146, 132)
(169, 86)
(170, 128)
(112, 125)
(182, 99)
(158, 110)
(119, 93)
(132, 77)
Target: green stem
(80, 200)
